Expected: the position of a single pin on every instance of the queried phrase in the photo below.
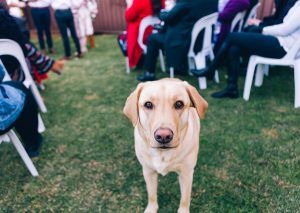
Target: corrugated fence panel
(110, 18)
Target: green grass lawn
(249, 159)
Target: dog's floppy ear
(198, 102)
(131, 106)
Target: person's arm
(132, 13)
(285, 28)
(231, 9)
(176, 13)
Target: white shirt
(288, 32)
(40, 3)
(16, 11)
(61, 4)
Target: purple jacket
(232, 8)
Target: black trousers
(27, 123)
(246, 44)
(42, 21)
(64, 19)
(155, 42)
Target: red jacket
(134, 15)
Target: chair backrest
(12, 48)
(294, 52)
(252, 14)
(145, 23)
(205, 23)
(237, 22)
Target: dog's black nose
(163, 135)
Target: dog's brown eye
(148, 105)
(178, 105)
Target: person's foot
(79, 55)
(34, 150)
(52, 51)
(58, 66)
(229, 92)
(43, 51)
(147, 76)
(66, 58)
(205, 72)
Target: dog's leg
(150, 177)
(185, 181)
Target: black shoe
(34, 150)
(147, 76)
(205, 72)
(229, 92)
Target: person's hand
(129, 3)
(254, 22)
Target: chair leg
(172, 72)
(41, 126)
(259, 76)
(202, 83)
(249, 78)
(216, 77)
(127, 65)
(20, 149)
(162, 61)
(297, 83)
(38, 97)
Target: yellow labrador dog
(165, 115)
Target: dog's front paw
(183, 210)
(151, 208)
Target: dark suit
(176, 39)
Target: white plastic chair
(252, 14)
(9, 47)
(237, 22)
(145, 23)
(290, 59)
(11, 136)
(198, 61)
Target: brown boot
(91, 39)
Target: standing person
(135, 12)
(83, 22)
(40, 12)
(64, 19)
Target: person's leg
(46, 19)
(155, 42)
(61, 22)
(71, 26)
(27, 123)
(248, 44)
(253, 29)
(36, 16)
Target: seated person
(18, 109)
(228, 11)
(10, 30)
(135, 12)
(275, 42)
(175, 39)
(282, 7)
